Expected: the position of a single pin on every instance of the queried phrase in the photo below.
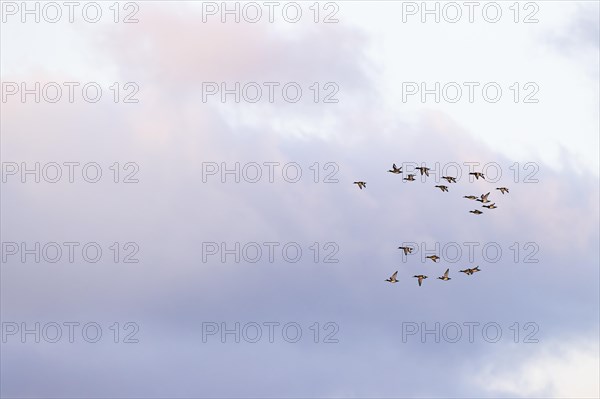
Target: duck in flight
(423, 170)
(492, 206)
(407, 250)
(471, 197)
(476, 212)
(433, 257)
(468, 271)
(361, 184)
(421, 278)
(410, 178)
(395, 170)
(393, 279)
(445, 276)
(478, 175)
(484, 198)
(443, 188)
(502, 190)
(449, 179)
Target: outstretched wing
(446, 274)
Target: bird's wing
(394, 275)
(446, 274)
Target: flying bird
(502, 190)
(478, 175)
(443, 188)
(476, 212)
(449, 179)
(468, 271)
(445, 276)
(407, 250)
(492, 206)
(395, 170)
(421, 278)
(433, 257)
(423, 170)
(361, 184)
(484, 198)
(410, 178)
(393, 279)
(471, 197)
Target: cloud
(562, 369)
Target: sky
(161, 239)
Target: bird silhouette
(424, 170)
(445, 276)
(395, 170)
(393, 279)
(421, 278)
(407, 250)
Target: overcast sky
(538, 251)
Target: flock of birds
(483, 198)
